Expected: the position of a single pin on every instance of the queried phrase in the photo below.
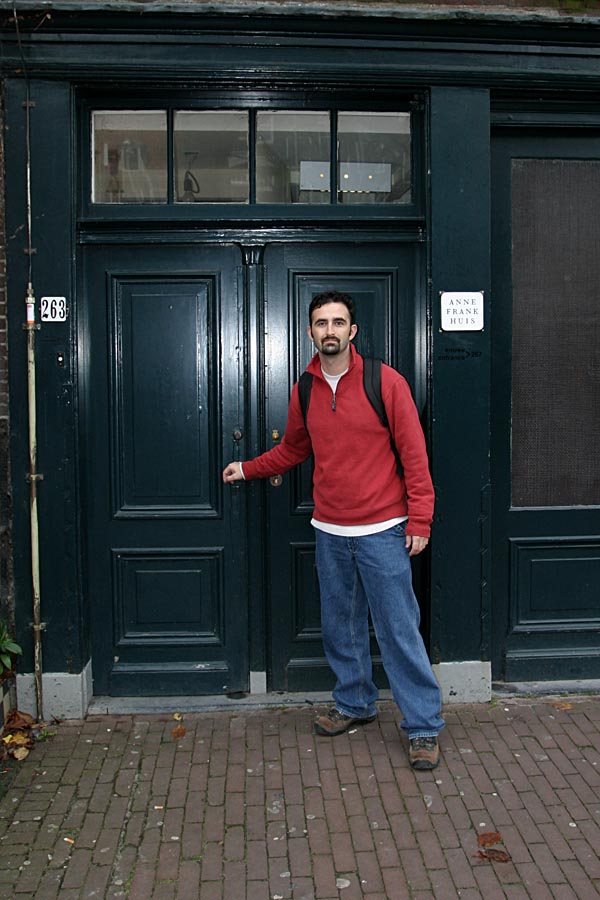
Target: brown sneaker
(336, 722)
(424, 752)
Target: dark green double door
(187, 361)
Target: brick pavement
(250, 805)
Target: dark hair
(331, 297)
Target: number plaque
(54, 309)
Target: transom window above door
(217, 156)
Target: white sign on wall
(462, 310)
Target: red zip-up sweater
(355, 477)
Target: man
(368, 522)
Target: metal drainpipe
(33, 477)
(31, 328)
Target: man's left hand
(415, 544)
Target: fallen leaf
(178, 732)
(562, 704)
(18, 739)
(21, 753)
(17, 720)
(489, 839)
(495, 855)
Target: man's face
(330, 329)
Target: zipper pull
(333, 401)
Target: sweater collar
(314, 366)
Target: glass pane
(374, 157)
(130, 156)
(292, 157)
(211, 157)
(556, 332)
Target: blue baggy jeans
(373, 573)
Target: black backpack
(372, 386)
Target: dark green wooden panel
(460, 242)
(163, 382)
(343, 50)
(65, 638)
(157, 590)
(555, 582)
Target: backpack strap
(304, 388)
(372, 385)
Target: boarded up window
(556, 332)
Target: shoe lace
(424, 743)
(335, 715)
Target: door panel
(381, 279)
(151, 321)
(163, 395)
(545, 406)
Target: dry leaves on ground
(17, 735)
(495, 855)
(487, 841)
(179, 730)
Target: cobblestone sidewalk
(252, 805)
